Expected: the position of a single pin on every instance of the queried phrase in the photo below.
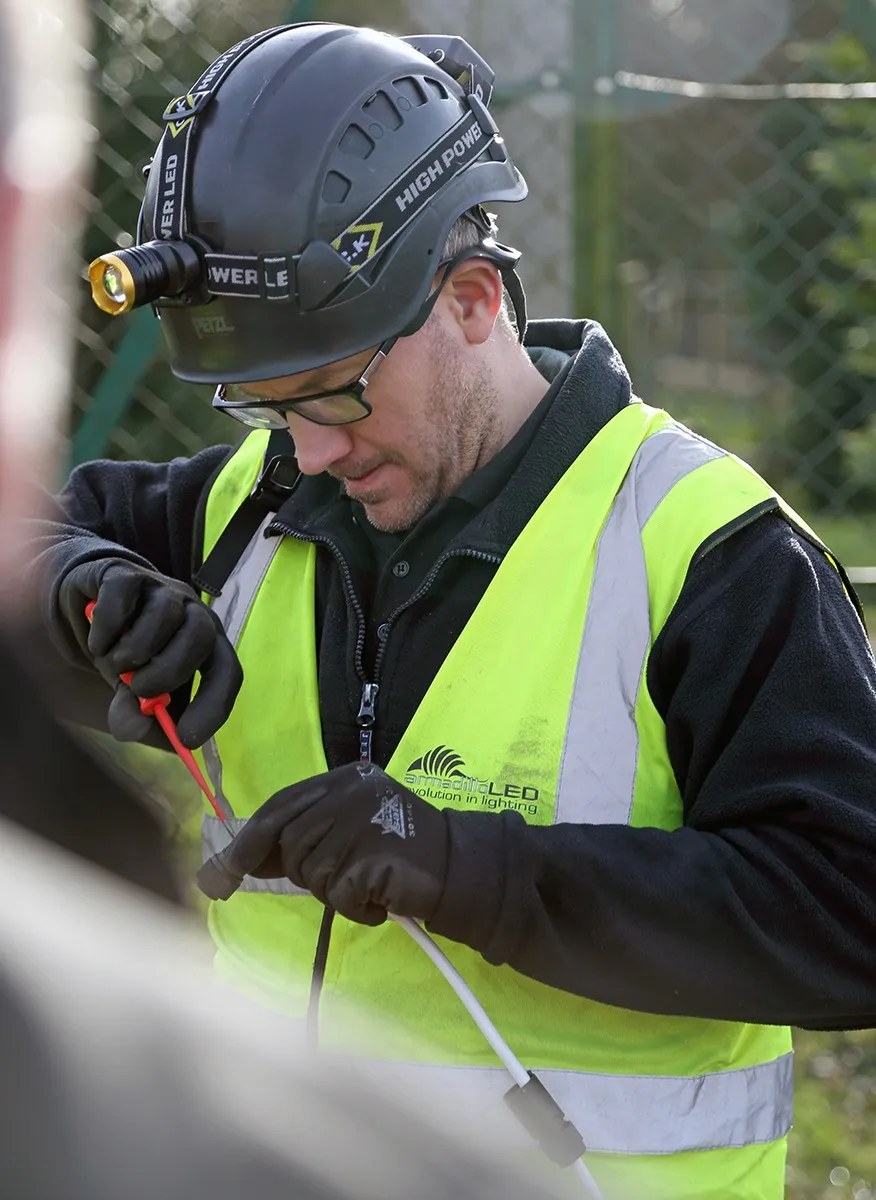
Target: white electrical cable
(578, 1168)
(476, 1011)
(511, 1064)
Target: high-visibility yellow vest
(541, 706)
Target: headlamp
(144, 274)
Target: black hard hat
(320, 183)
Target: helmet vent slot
(438, 88)
(411, 89)
(356, 142)
(381, 109)
(335, 188)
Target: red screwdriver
(156, 706)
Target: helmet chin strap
(517, 296)
(512, 282)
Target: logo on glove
(391, 816)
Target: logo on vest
(440, 761)
(441, 774)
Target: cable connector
(216, 881)
(544, 1120)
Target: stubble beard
(462, 436)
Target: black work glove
(354, 837)
(158, 628)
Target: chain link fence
(688, 189)
(685, 190)
(741, 295)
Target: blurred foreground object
(49, 782)
(46, 136)
(129, 1074)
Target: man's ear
(474, 298)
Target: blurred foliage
(844, 162)
(784, 245)
(740, 245)
(832, 1146)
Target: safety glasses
(340, 406)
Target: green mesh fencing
(686, 191)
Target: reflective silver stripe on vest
(213, 763)
(600, 753)
(214, 837)
(239, 591)
(628, 1114)
(232, 608)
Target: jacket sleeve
(762, 907)
(145, 512)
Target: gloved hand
(158, 628)
(354, 837)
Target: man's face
(433, 421)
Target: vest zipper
(365, 720)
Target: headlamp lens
(113, 285)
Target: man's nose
(318, 447)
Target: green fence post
(597, 164)
(114, 389)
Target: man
(513, 654)
(127, 1073)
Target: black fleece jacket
(762, 907)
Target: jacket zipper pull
(365, 720)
